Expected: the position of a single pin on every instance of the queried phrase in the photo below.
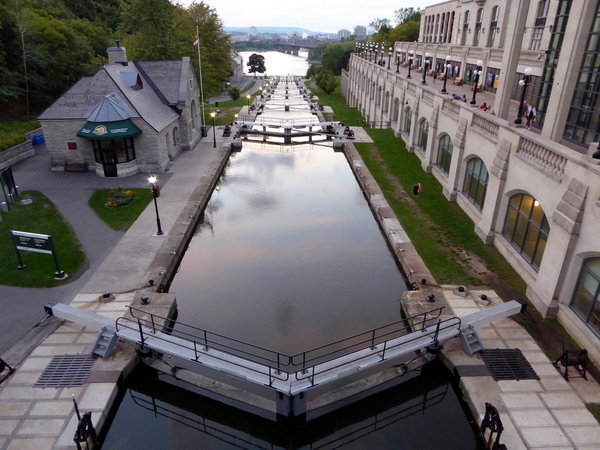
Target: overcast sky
(314, 15)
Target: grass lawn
(119, 218)
(40, 217)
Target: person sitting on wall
(464, 98)
(483, 106)
(455, 97)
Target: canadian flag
(196, 40)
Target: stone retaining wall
(19, 152)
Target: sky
(327, 16)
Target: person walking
(530, 116)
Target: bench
(457, 81)
(76, 167)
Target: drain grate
(508, 364)
(66, 371)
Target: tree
(377, 23)
(326, 81)
(336, 57)
(256, 63)
(406, 32)
(404, 15)
(234, 93)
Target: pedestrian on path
(530, 116)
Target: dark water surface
(289, 256)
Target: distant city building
(344, 34)
(360, 30)
(252, 31)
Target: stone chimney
(117, 54)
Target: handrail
(279, 365)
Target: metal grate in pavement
(508, 364)
(66, 371)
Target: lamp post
(381, 61)
(397, 62)
(248, 100)
(478, 73)
(236, 118)
(152, 180)
(425, 63)
(213, 115)
(446, 68)
(389, 57)
(523, 83)
(410, 61)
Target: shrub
(120, 198)
(12, 132)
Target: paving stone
(545, 437)
(493, 343)
(31, 444)
(98, 395)
(7, 426)
(554, 382)
(574, 416)
(533, 418)
(519, 386)
(26, 393)
(53, 350)
(584, 434)
(61, 338)
(524, 344)
(52, 408)
(13, 409)
(588, 389)
(513, 333)
(522, 401)
(41, 427)
(545, 369)
(536, 355)
(23, 378)
(35, 364)
(561, 399)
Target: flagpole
(200, 69)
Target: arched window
(175, 136)
(476, 180)
(465, 30)
(386, 103)
(444, 156)
(396, 111)
(168, 140)
(493, 26)
(407, 120)
(423, 134)
(194, 114)
(378, 101)
(585, 298)
(478, 25)
(527, 228)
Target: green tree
(326, 81)
(378, 23)
(234, 93)
(256, 63)
(317, 53)
(404, 15)
(406, 32)
(336, 57)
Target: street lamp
(410, 61)
(389, 57)
(371, 47)
(425, 63)
(213, 115)
(152, 180)
(523, 83)
(236, 118)
(248, 100)
(397, 62)
(446, 69)
(381, 61)
(478, 72)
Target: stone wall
(19, 152)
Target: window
(396, 111)
(194, 115)
(539, 25)
(407, 120)
(168, 140)
(423, 134)
(493, 26)
(476, 180)
(378, 101)
(72, 145)
(465, 31)
(527, 228)
(175, 137)
(585, 298)
(386, 104)
(444, 156)
(113, 151)
(478, 23)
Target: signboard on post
(38, 243)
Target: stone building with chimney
(129, 117)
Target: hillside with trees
(47, 45)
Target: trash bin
(216, 104)
(38, 139)
(204, 131)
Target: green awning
(109, 130)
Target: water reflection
(423, 413)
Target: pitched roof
(161, 81)
(111, 108)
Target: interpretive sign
(34, 242)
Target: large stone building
(129, 117)
(533, 194)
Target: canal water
(288, 256)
